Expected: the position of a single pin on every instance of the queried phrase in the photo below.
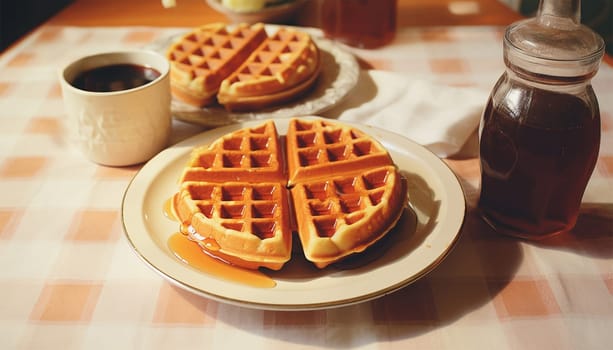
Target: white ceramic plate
(281, 13)
(423, 237)
(339, 75)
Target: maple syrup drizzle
(192, 254)
(168, 212)
(210, 244)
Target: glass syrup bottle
(540, 131)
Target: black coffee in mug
(115, 77)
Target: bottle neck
(568, 10)
(554, 45)
(553, 72)
(574, 86)
(550, 74)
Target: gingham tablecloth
(69, 280)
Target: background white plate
(339, 75)
(281, 13)
(421, 240)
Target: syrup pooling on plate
(168, 211)
(195, 255)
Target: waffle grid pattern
(272, 60)
(253, 149)
(335, 203)
(203, 58)
(209, 48)
(247, 208)
(319, 148)
(342, 209)
(322, 142)
(247, 152)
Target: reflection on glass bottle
(540, 132)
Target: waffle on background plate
(241, 200)
(242, 67)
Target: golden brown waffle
(237, 209)
(233, 197)
(319, 148)
(250, 154)
(201, 59)
(245, 224)
(280, 69)
(345, 214)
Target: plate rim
(288, 6)
(186, 145)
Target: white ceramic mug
(118, 128)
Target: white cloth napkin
(440, 117)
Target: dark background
(596, 14)
(18, 17)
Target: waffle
(224, 200)
(345, 214)
(280, 69)
(201, 59)
(318, 148)
(249, 154)
(242, 223)
(239, 210)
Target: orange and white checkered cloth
(68, 279)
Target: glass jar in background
(540, 131)
(360, 23)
